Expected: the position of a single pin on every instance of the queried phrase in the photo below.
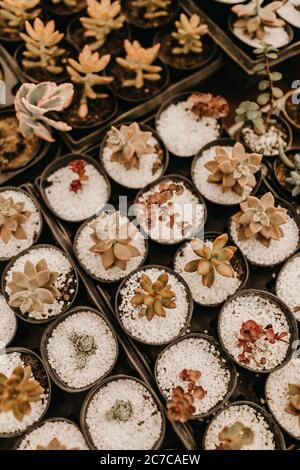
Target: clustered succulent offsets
(188, 34)
(12, 219)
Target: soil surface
(113, 44)
(137, 15)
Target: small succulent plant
(79, 168)
(165, 193)
(33, 288)
(260, 219)
(293, 180)
(153, 8)
(235, 437)
(208, 105)
(212, 257)
(139, 61)
(112, 239)
(42, 46)
(85, 346)
(181, 406)
(121, 411)
(155, 296)
(293, 405)
(191, 377)
(18, 391)
(68, 3)
(128, 144)
(33, 102)
(253, 18)
(12, 219)
(188, 34)
(55, 444)
(104, 17)
(86, 73)
(13, 15)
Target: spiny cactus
(41, 42)
(154, 8)
(188, 34)
(139, 61)
(85, 73)
(294, 167)
(105, 16)
(33, 102)
(13, 14)
(234, 437)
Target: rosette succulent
(235, 437)
(12, 219)
(181, 406)
(188, 35)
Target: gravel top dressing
(287, 285)
(81, 349)
(122, 415)
(32, 226)
(276, 37)
(266, 143)
(278, 394)
(182, 132)
(8, 322)
(264, 355)
(249, 417)
(200, 355)
(80, 205)
(67, 434)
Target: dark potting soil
(63, 9)
(37, 369)
(113, 44)
(137, 15)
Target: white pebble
(8, 322)
(287, 285)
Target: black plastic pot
(60, 12)
(290, 260)
(44, 353)
(238, 258)
(293, 329)
(142, 23)
(224, 362)
(277, 164)
(11, 264)
(90, 396)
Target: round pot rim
(208, 234)
(7, 345)
(63, 161)
(292, 324)
(151, 28)
(31, 426)
(289, 151)
(224, 142)
(166, 157)
(190, 186)
(23, 253)
(112, 378)
(285, 113)
(189, 299)
(287, 262)
(48, 7)
(230, 366)
(276, 431)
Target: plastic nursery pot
(143, 127)
(189, 298)
(290, 109)
(292, 323)
(136, 16)
(289, 261)
(61, 12)
(281, 172)
(43, 347)
(177, 99)
(34, 201)
(10, 265)
(64, 162)
(224, 143)
(238, 262)
(90, 396)
(27, 352)
(229, 366)
(278, 437)
(174, 179)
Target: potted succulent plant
(265, 230)
(194, 376)
(213, 268)
(191, 120)
(40, 283)
(8, 323)
(263, 130)
(225, 172)
(290, 12)
(53, 434)
(133, 155)
(25, 391)
(291, 108)
(257, 330)
(64, 8)
(79, 349)
(286, 283)
(148, 14)
(109, 247)
(14, 14)
(287, 171)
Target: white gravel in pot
(249, 417)
(200, 355)
(222, 287)
(276, 37)
(276, 252)
(160, 329)
(289, 13)
(65, 432)
(287, 285)
(8, 322)
(134, 178)
(75, 369)
(32, 226)
(93, 261)
(73, 206)
(213, 191)
(277, 395)
(267, 143)
(8, 423)
(65, 282)
(264, 312)
(182, 132)
(140, 432)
